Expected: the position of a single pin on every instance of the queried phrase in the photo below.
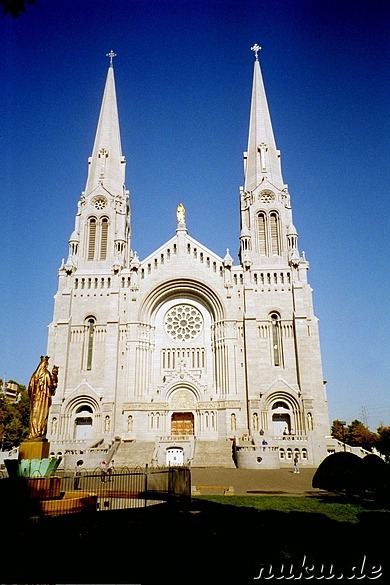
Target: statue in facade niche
(41, 389)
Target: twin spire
(105, 201)
(262, 158)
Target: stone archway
(183, 405)
(281, 418)
(83, 424)
(83, 428)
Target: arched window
(255, 421)
(103, 238)
(274, 228)
(276, 340)
(91, 324)
(262, 233)
(91, 238)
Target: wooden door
(182, 423)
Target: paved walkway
(255, 481)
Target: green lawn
(343, 511)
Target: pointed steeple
(262, 157)
(107, 164)
(101, 238)
(267, 236)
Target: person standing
(77, 475)
(296, 463)
(110, 470)
(103, 471)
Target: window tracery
(183, 322)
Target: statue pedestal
(44, 488)
(34, 450)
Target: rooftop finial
(256, 49)
(111, 54)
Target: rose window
(267, 197)
(183, 322)
(99, 202)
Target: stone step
(134, 454)
(207, 454)
(213, 454)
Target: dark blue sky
(183, 75)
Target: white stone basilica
(184, 357)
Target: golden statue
(42, 387)
(181, 214)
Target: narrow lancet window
(261, 226)
(276, 340)
(274, 226)
(91, 239)
(103, 239)
(90, 341)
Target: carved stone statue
(41, 388)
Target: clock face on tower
(99, 202)
(183, 322)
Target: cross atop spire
(111, 55)
(256, 49)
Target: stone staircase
(206, 454)
(213, 454)
(134, 454)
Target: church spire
(107, 164)
(262, 158)
(101, 237)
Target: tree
(339, 432)
(14, 419)
(360, 436)
(340, 473)
(15, 7)
(356, 434)
(383, 442)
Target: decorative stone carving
(183, 399)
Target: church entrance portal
(83, 428)
(182, 423)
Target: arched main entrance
(83, 427)
(83, 423)
(281, 419)
(182, 423)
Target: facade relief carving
(183, 399)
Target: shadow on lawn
(205, 543)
